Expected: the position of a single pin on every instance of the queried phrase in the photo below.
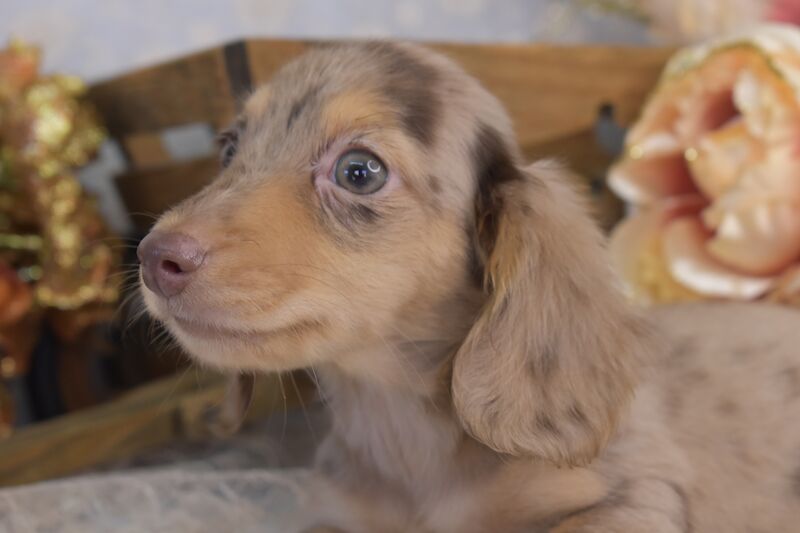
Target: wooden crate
(554, 95)
(146, 418)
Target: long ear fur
(550, 364)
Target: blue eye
(360, 172)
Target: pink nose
(169, 261)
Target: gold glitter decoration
(50, 230)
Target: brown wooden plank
(555, 91)
(146, 150)
(267, 56)
(191, 89)
(153, 415)
(148, 193)
(550, 91)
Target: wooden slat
(553, 94)
(267, 56)
(550, 91)
(145, 150)
(556, 91)
(191, 89)
(151, 416)
(150, 192)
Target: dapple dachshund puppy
(373, 221)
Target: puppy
(373, 221)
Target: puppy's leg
(645, 506)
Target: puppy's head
(372, 194)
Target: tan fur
(354, 110)
(483, 372)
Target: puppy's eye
(360, 172)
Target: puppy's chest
(408, 443)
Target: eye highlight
(360, 172)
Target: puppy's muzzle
(169, 262)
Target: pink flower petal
(721, 156)
(648, 179)
(761, 238)
(640, 234)
(684, 242)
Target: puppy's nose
(169, 261)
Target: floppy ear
(550, 363)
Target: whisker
(303, 407)
(285, 408)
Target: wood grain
(553, 94)
(191, 89)
(149, 192)
(151, 416)
(556, 91)
(550, 91)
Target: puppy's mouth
(215, 332)
(210, 331)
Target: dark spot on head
(411, 87)
(727, 407)
(300, 105)
(435, 184)
(576, 292)
(748, 350)
(791, 378)
(577, 415)
(795, 481)
(542, 367)
(343, 220)
(697, 376)
(364, 214)
(527, 210)
(683, 348)
(545, 423)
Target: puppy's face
(371, 200)
(341, 219)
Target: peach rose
(712, 175)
